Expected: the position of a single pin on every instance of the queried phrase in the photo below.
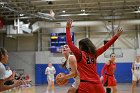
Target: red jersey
(27, 77)
(87, 62)
(108, 74)
(109, 69)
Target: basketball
(61, 82)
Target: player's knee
(108, 90)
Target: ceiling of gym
(79, 10)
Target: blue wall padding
(41, 78)
(123, 72)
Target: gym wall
(32, 52)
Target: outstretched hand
(120, 30)
(69, 23)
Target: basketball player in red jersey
(86, 57)
(108, 71)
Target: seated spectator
(7, 82)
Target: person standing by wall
(108, 77)
(135, 73)
(50, 71)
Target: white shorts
(50, 78)
(76, 82)
(136, 77)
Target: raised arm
(72, 47)
(109, 43)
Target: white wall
(27, 60)
(45, 57)
(23, 60)
(21, 43)
(128, 57)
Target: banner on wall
(1, 23)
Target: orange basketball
(61, 82)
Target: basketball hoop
(118, 52)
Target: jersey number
(137, 68)
(90, 60)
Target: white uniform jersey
(2, 71)
(136, 73)
(50, 71)
(8, 73)
(68, 64)
(77, 78)
(137, 67)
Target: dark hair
(112, 54)
(87, 46)
(64, 65)
(2, 52)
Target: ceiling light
(66, 15)
(1, 3)
(21, 14)
(137, 11)
(83, 14)
(83, 10)
(64, 11)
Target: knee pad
(108, 90)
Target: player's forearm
(4, 87)
(103, 70)
(68, 37)
(107, 45)
(71, 75)
(73, 48)
(54, 72)
(9, 78)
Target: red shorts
(88, 87)
(111, 81)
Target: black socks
(108, 90)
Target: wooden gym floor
(122, 88)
